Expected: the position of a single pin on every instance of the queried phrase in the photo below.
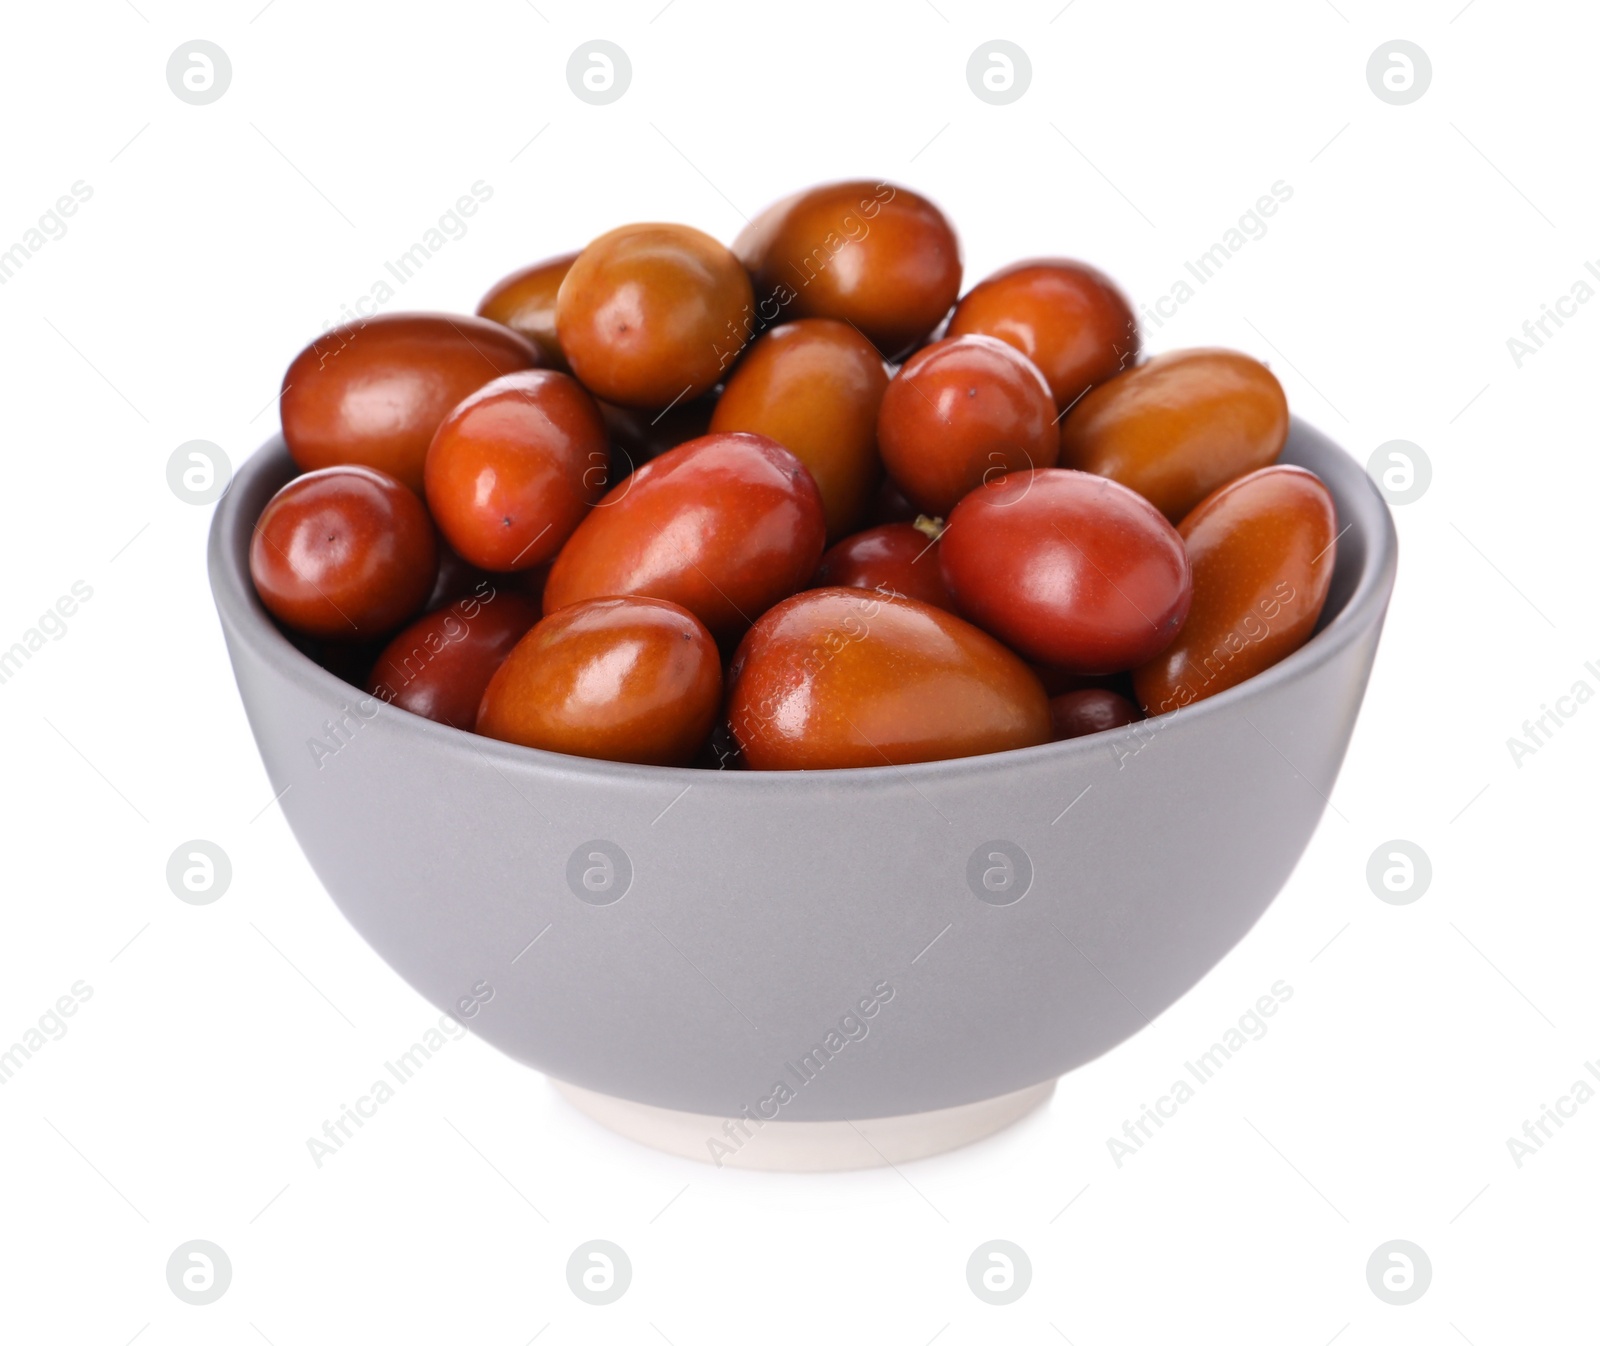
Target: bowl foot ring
(805, 1147)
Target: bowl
(810, 969)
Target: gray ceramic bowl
(688, 939)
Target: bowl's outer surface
(763, 906)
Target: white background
(220, 238)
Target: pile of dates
(796, 504)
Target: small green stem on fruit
(929, 526)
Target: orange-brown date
(1066, 317)
(622, 679)
(1178, 427)
(868, 253)
(845, 678)
(961, 412)
(515, 467)
(373, 392)
(647, 314)
(525, 301)
(725, 526)
(1070, 570)
(439, 665)
(345, 553)
(1262, 550)
(814, 386)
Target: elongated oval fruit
(963, 411)
(622, 679)
(652, 314)
(525, 301)
(344, 553)
(724, 526)
(1262, 549)
(1066, 317)
(373, 392)
(1069, 569)
(874, 255)
(515, 468)
(845, 678)
(814, 386)
(439, 665)
(1180, 426)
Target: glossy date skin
(439, 666)
(1176, 428)
(515, 467)
(724, 526)
(893, 559)
(1068, 318)
(373, 392)
(525, 301)
(815, 386)
(621, 679)
(1263, 549)
(1069, 569)
(872, 254)
(960, 412)
(345, 553)
(648, 314)
(847, 678)
(1089, 711)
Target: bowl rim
(242, 612)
